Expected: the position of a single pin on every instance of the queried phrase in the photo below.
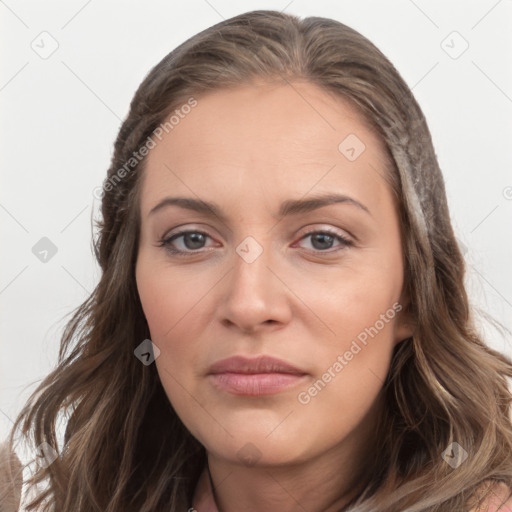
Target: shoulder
(11, 479)
(499, 500)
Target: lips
(262, 364)
(263, 375)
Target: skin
(248, 149)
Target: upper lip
(261, 364)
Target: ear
(405, 323)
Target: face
(270, 268)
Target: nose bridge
(253, 296)
(250, 273)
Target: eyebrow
(288, 207)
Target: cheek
(352, 368)
(352, 359)
(170, 307)
(352, 299)
(170, 299)
(174, 304)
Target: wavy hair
(125, 448)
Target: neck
(326, 483)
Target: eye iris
(323, 239)
(196, 239)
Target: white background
(60, 116)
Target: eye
(322, 241)
(190, 243)
(193, 241)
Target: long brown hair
(125, 448)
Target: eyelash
(165, 242)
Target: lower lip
(255, 384)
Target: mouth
(263, 375)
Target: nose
(254, 296)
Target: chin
(251, 447)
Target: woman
(281, 321)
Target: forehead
(276, 139)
